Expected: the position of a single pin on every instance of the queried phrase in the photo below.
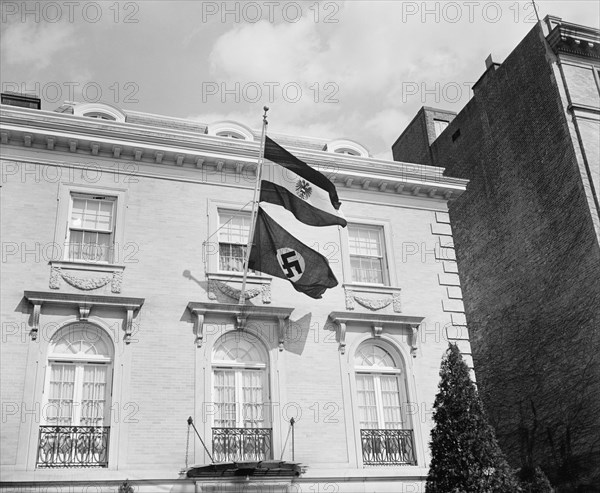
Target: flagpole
(254, 204)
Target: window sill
(225, 286)
(386, 296)
(86, 276)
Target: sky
(331, 69)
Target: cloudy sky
(332, 69)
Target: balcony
(241, 444)
(387, 447)
(73, 446)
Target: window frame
(62, 233)
(388, 278)
(376, 373)
(79, 362)
(237, 368)
(110, 231)
(244, 246)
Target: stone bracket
(35, 319)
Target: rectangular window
(90, 235)
(77, 394)
(239, 398)
(440, 126)
(367, 258)
(233, 240)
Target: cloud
(35, 44)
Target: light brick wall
(162, 374)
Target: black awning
(267, 468)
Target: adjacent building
(527, 234)
(123, 235)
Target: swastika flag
(304, 191)
(278, 253)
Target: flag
(304, 191)
(278, 253)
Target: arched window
(76, 412)
(231, 135)
(79, 377)
(386, 434)
(100, 115)
(241, 429)
(347, 147)
(348, 152)
(101, 111)
(380, 388)
(230, 130)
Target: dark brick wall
(529, 263)
(413, 144)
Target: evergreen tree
(465, 456)
(533, 480)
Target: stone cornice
(240, 313)
(84, 303)
(573, 39)
(63, 133)
(377, 322)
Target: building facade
(123, 236)
(527, 235)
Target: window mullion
(77, 394)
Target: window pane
(235, 227)
(367, 406)
(364, 240)
(59, 410)
(231, 257)
(252, 407)
(372, 355)
(241, 349)
(225, 416)
(83, 340)
(93, 399)
(390, 398)
(92, 214)
(368, 270)
(90, 246)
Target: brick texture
(529, 258)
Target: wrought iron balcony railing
(241, 444)
(387, 447)
(73, 446)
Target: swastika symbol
(291, 262)
(289, 265)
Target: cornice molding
(574, 39)
(240, 314)
(378, 322)
(60, 133)
(84, 303)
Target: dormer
(230, 130)
(101, 111)
(347, 147)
